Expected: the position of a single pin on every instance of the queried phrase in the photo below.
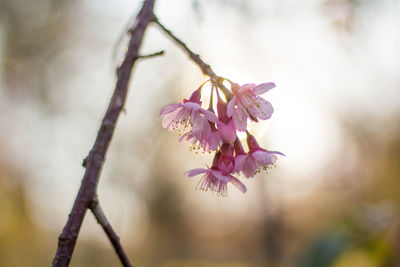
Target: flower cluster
(211, 131)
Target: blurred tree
(33, 34)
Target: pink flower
(256, 159)
(226, 129)
(209, 143)
(226, 161)
(246, 103)
(204, 130)
(238, 152)
(189, 116)
(215, 180)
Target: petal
(257, 106)
(249, 167)
(175, 118)
(246, 87)
(240, 119)
(192, 105)
(262, 157)
(170, 119)
(170, 108)
(205, 128)
(239, 161)
(209, 115)
(214, 140)
(263, 88)
(276, 152)
(220, 176)
(195, 172)
(265, 109)
(231, 107)
(187, 137)
(239, 185)
(194, 118)
(227, 132)
(274, 158)
(201, 126)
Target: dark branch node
(84, 162)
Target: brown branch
(205, 68)
(96, 157)
(111, 234)
(159, 53)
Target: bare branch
(112, 236)
(205, 68)
(96, 157)
(87, 197)
(159, 53)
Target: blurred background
(334, 200)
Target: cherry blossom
(215, 180)
(209, 132)
(246, 103)
(256, 159)
(208, 144)
(190, 116)
(226, 129)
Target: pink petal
(220, 176)
(209, 115)
(195, 172)
(200, 127)
(274, 158)
(240, 119)
(246, 87)
(214, 141)
(249, 167)
(169, 119)
(231, 107)
(170, 108)
(262, 157)
(187, 137)
(265, 109)
(227, 132)
(205, 128)
(239, 161)
(263, 88)
(239, 185)
(174, 118)
(277, 152)
(257, 106)
(194, 117)
(192, 105)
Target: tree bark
(96, 157)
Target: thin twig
(205, 68)
(159, 53)
(111, 234)
(96, 157)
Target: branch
(159, 53)
(112, 236)
(205, 68)
(96, 157)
